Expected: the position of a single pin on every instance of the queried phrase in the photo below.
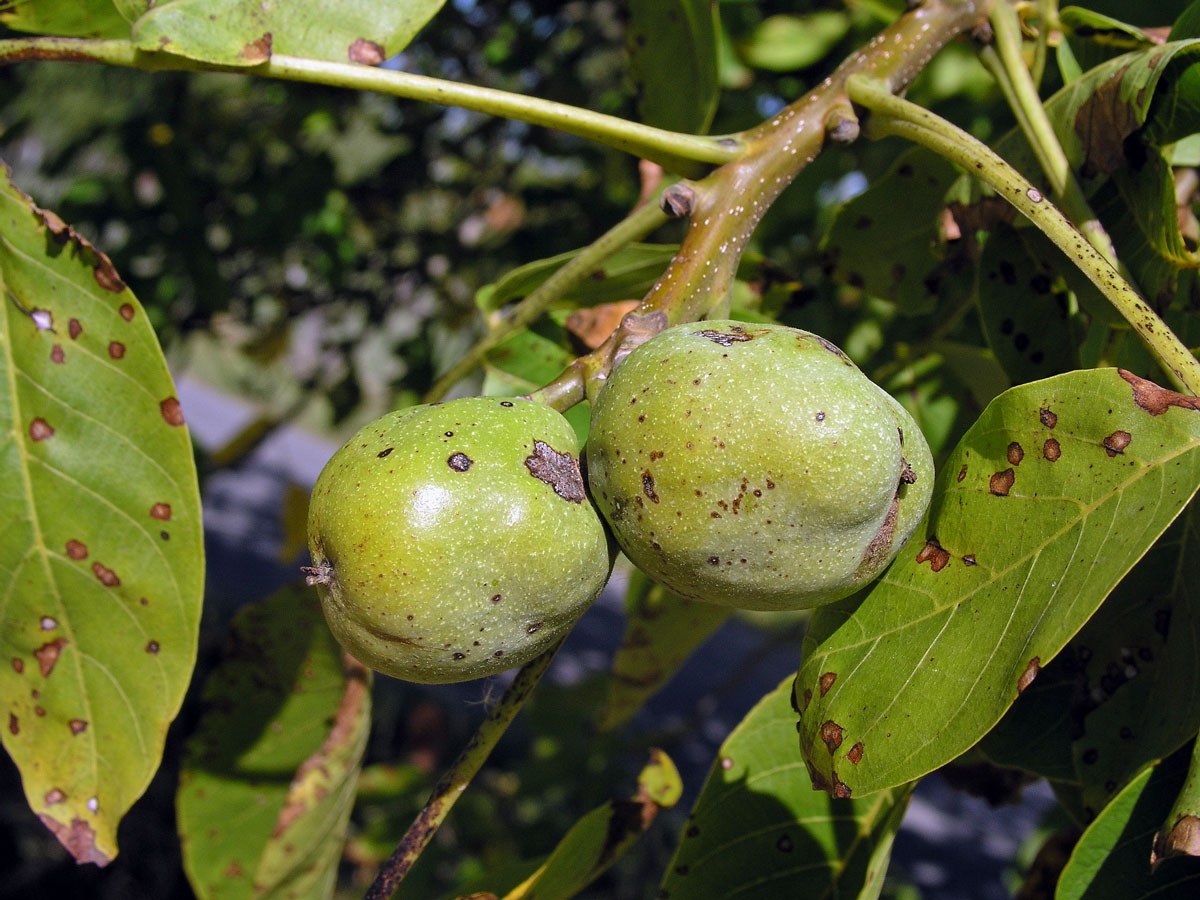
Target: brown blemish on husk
(459, 462)
(559, 470)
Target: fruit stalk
(455, 780)
(727, 205)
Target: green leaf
(248, 32)
(1187, 25)
(1113, 700)
(889, 256)
(1043, 507)
(78, 18)
(626, 275)
(673, 62)
(1102, 29)
(1179, 834)
(1025, 309)
(601, 837)
(1111, 861)
(101, 552)
(663, 630)
(269, 775)
(758, 830)
(782, 43)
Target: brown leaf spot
(161, 511)
(77, 726)
(74, 329)
(79, 838)
(831, 734)
(233, 870)
(1001, 483)
(855, 754)
(1154, 399)
(807, 700)
(648, 487)
(368, 53)
(172, 412)
(962, 473)
(969, 560)
(559, 470)
(77, 549)
(54, 795)
(933, 554)
(40, 430)
(106, 275)
(18, 664)
(57, 355)
(1015, 454)
(126, 311)
(1047, 418)
(459, 462)
(152, 647)
(257, 51)
(840, 790)
(14, 724)
(47, 655)
(1051, 450)
(1030, 673)
(1116, 443)
(107, 576)
(116, 349)
(825, 682)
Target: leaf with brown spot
(1047, 556)
(759, 829)
(247, 32)
(277, 752)
(87, 454)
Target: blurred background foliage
(318, 253)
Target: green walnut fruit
(755, 466)
(454, 540)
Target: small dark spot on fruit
(459, 656)
(1051, 450)
(533, 629)
(736, 335)
(77, 549)
(559, 470)
(714, 515)
(382, 453)
(785, 844)
(1015, 454)
(770, 485)
(506, 403)
(496, 598)
(498, 654)
(1047, 418)
(855, 754)
(459, 462)
(714, 560)
(1116, 442)
(1001, 483)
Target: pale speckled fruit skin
(449, 567)
(754, 466)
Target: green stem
(455, 780)
(633, 227)
(895, 116)
(1023, 95)
(730, 201)
(674, 151)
